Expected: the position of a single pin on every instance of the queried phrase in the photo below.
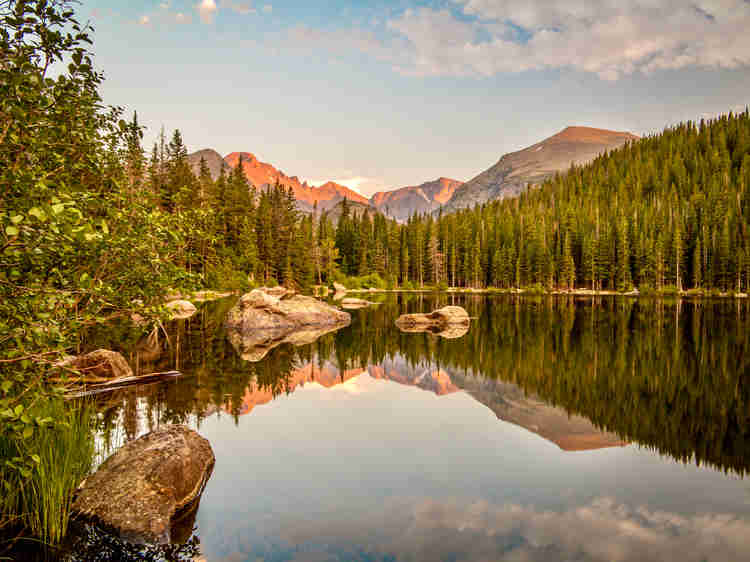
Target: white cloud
(609, 38)
(363, 185)
(206, 10)
(603, 530)
(268, 8)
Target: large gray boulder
(146, 485)
(261, 321)
(260, 310)
(439, 319)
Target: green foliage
(373, 280)
(671, 209)
(41, 471)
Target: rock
(99, 366)
(259, 310)
(353, 304)
(279, 292)
(440, 319)
(339, 288)
(261, 321)
(339, 295)
(180, 309)
(150, 482)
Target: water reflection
(373, 444)
(667, 375)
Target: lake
(556, 428)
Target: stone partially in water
(99, 366)
(261, 321)
(440, 318)
(148, 484)
(180, 309)
(262, 310)
(339, 288)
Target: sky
(381, 94)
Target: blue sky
(383, 94)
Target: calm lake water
(554, 429)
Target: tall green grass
(39, 500)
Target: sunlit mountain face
(546, 429)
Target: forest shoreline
(561, 292)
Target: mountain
(402, 203)
(213, 159)
(261, 175)
(515, 171)
(355, 209)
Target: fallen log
(116, 384)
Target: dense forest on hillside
(666, 211)
(670, 210)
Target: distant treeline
(670, 210)
(667, 211)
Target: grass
(39, 501)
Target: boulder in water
(261, 310)
(149, 483)
(439, 319)
(180, 309)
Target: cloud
(144, 20)
(206, 10)
(268, 8)
(609, 38)
(602, 530)
(363, 185)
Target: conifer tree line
(669, 211)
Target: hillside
(261, 174)
(534, 164)
(213, 159)
(402, 203)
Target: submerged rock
(441, 318)
(99, 366)
(147, 485)
(180, 309)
